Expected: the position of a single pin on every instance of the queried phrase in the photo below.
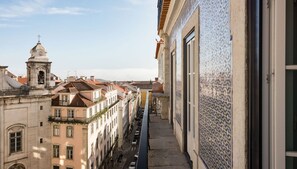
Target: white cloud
(21, 8)
(7, 25)
(67, 11)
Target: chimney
(3, 71)
(92, 78)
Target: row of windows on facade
(113, 123)
(69, 129)
(16, 139)
(16, 146)
(111, 100)
(70, 150)
(108, 114)
(70, 112)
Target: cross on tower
(39, 38)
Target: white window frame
(69, 152)
(57, 113)
(278, 70)
(69, 131)
(56, 130)
(56, 151)
(70, 113)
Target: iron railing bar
(142, 162)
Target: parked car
(132, 165)
(137, 133)
(136, 156)
(134, 142)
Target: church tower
(38, 69)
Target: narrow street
(128, 150)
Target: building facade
(24, 109)
(84, 123)
(230, 68)
(206, 109)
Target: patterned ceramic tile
(215, 79)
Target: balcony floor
(164, 151)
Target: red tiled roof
(121, 89)
(81, 101)
(94, 82)
(22, 80)
(55, 100)
(82, 85)
(77, 101)
(73, 90)
(64, 91)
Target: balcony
(75, 120)
(158, 147)
(80, 120)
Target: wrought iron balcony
(74, 120)
(81, 120)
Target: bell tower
(38, 69)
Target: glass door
(190, 42)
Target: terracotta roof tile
(94, 82)
(82, 85)
(22, 80)
(72, 90)
(80, 101)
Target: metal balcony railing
(80, 120)
(142, 162)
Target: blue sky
(111, 39)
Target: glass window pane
(291, 162)
(291, 110)
(291, 32)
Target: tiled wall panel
(215, 79)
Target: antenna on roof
(39, 38)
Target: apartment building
(25, 142)
(123, 116)
(228, 69)
(84, 122)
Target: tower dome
(38, 68)
(38, 53)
